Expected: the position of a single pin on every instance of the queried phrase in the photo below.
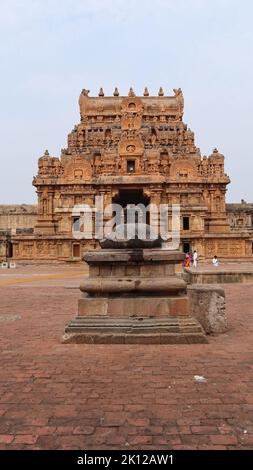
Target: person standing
(195, 259)
(187, 261)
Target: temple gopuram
(132, 149)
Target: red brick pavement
(55, 396)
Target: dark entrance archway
(9, 249)
(132, 196)
(186, 246)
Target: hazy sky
(51, 49)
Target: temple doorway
(132, 196)
(10, 250)
(187, 247)
(76, 250)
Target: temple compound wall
(132, 149)
(240, 216)
(15, 219)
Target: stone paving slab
(61, 396)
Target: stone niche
(133, 296)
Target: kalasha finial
(116, 92)
(161, 92)
(177, 91)
(131, 92)
(101, 92)
(85, 92)
(46, 153)
(215, 150)
(146, 92)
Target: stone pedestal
(133, 296)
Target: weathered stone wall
(240, 216)
(28, 247)
(21, 216)
(3, 248)
(227, 247)
(207, 304)
(15, 219)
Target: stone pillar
(50, 204)
(133, 296)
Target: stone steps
(140, 330)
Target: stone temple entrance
(132, 196)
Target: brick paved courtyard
(55, 396)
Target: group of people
(191, 259)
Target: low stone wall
(207, 304)
(217, 277)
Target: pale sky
(51, 49)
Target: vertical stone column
(156, 200)
(40, 208)
(107, 200)
(50, 204)
(223, 204)
(212, 200)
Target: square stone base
(118, 330)
(133, 306)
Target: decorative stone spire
(101, 92)
(116, 92)
(85, 92)
(46, 153)
(131, 92)
(161, 92)
(146, 92)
